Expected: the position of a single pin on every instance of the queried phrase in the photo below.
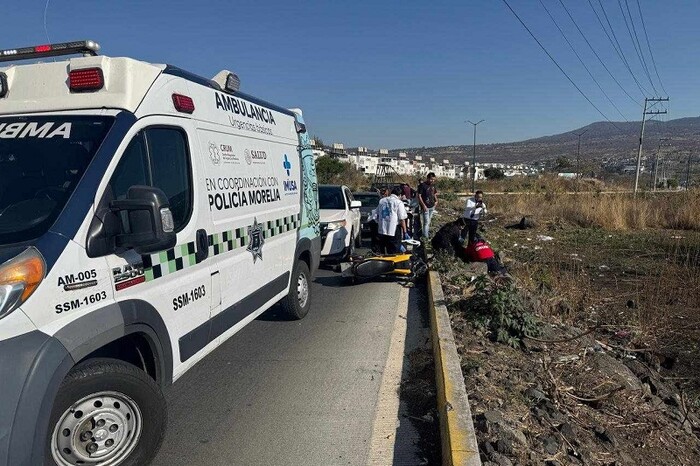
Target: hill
(602, 142)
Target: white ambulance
(146, 215)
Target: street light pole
(578, 154)
(474, 153)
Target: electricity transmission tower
(641, 134)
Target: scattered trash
(537, 248)
(604, 267)
(677, 237)
(573, 255)
(544, 238)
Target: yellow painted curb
(457, 434)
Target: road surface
(301, 392)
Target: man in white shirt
(391, 220)
(474, 211)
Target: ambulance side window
(132, 169)
(170, 168)
(158, 157)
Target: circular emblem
(248, 157)
(214, 154)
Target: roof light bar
(183, 103)
(3, 85)
(85, 47)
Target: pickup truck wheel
(297, 302)
(106, 413)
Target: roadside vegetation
(591, 354)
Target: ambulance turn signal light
(183, 103)
(86, 80)
(19, 278)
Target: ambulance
(147, 214)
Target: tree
(562, 163)
(327, 169)
(492, 173)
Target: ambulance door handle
(202, 242)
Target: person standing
(427, 201)
(474, 210)
(391, 220)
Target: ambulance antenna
(46, 30)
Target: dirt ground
(611, 376)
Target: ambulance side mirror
(147, 222)
(355, 204)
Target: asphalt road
(289, 392)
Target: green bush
(503, 309)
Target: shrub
(503, 309)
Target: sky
(397, 74)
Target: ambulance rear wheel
(297, 302)
(106, 412)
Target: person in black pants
(474, 210)
(391, 221)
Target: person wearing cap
(391, 222)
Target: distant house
(566, 175)
(632, 169)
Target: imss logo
(290, 186)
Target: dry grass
(612, 211)
(632, 265)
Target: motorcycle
(408, 264)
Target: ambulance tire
(297, 302)
(94, 390)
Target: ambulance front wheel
(106, 412)
(297, 302)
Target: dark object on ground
(524, 224)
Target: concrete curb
(459, 446)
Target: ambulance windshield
(42, 158)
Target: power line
(621, 51)
(651, 54)
(616, 51)
(637, 50)
(639, 45)
(581, 60)
(591, 46)
(557, 65)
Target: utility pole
(656, 163)
(578, 154)
(474, 153)
(641, 135)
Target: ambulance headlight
(19, 278)
(336, 225)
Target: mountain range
(603, 141)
